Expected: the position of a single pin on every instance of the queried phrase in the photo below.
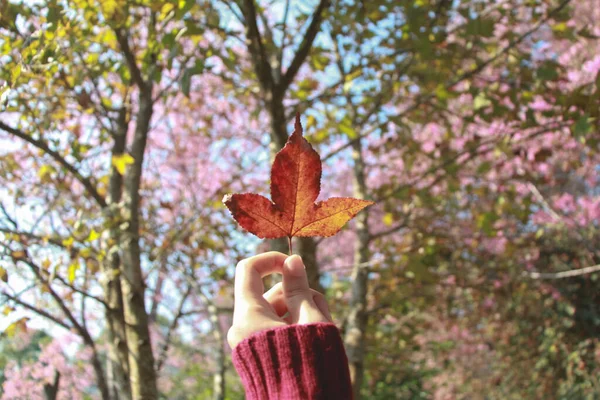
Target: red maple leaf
(295, 186)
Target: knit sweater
(305, 362)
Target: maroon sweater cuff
(294, 362)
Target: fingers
(275, 298)
(249, 274)
(322, 305)
(298, 295)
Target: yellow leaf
(18, 254)
(560, 27)
(93, 236)
(388, 219)
(121, 161)
(45, 171)
(7, 310)
(108, 7)
(72, 269)
(3, 275)
(19, 325)
(46, 264)
(68, 242)
(85, 252)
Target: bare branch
(12, 221)
(36, 310)
(167, 343)
(136, 74)
(534, 190)
(305, 45)
(564, 274)
(255, 46)
(85, 181)
(283, 36)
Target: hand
(286, 303)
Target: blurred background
(472, 124)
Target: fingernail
(295, 265)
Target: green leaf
(347, 129)
(547, 72)
(441, 92)
(485, 166)
(582, 127)
(481, 101)
(486, 221)
(15, 73)
(121, 161)
(480, 27)
(186, 78)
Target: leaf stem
(290, 244)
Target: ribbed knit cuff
(306, 362)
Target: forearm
(294, 362)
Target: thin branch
(85, 335)
(30, 235)
(12, 221)
(239, 17)
(165, 347)
(283, 36)
(86, 182)
(136, 74)
(36, 310)
(564, 274)
(305, 45)
(255, 46)
(534, 190)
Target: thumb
(298, 296)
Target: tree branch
(256, 48)
(283, 37)
(136, 74)
(564, 274)
(165, 347)
(36, 310)
(86, 182)
(305, 46)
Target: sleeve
(305, 362)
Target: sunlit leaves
(17, 327)
(72, 270)
(121, 161)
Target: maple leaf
(295, 186)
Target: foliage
(473, 126)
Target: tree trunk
(356, 324)
(51, 389)
(118, 363)
(142, 376)
(219, 376)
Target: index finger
(249, 274)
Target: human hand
(286, 303)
